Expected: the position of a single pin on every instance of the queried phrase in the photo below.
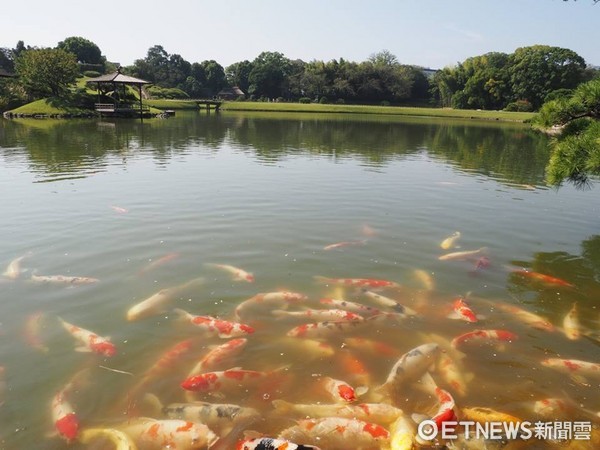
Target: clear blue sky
(430, 33)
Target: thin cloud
(470, 35)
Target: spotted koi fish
(324, 329)
(219, 355)
(267, 443)
(485, 336)
(268, 300)
(358, 282)
(319, 314)
(573, 366)
(212, 326)
(222, 380)
(390, 303)
(63, 279)
(151, 434)
(544, 279)
(462, 311)
(91, 342)
(237, 273)
(354, 307)
(334, 433)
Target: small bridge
(208, 104)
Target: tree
(237, 74)
(576, 122)
(268, 75)
(214, 75)
(46, 71)
(84, 50)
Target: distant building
(232, 93)
(5, 74)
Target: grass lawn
(47, 107)
(172, 104)
(368, 109)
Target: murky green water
(267, 193)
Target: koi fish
(484, 335)
(90, 341)
(462, 311)
(354, 307)
(390, 303)
(335, 433)
(159, 262)
(469, 254)
(269, 299)
(410, 367)
(544, 279)
(64, 418)
(577, 369)
(379, 413)
(119, 210)
(571, 325)
(553, 408)
(483, 415)
(525, 316)
(324, 329)
(357, 282)
(151, 434)
(2, 385)
(403, 434)
(13, 270)
(450, 241)
(33, 324)
(310, 348)
(212, 326)
(338, 390)
(452, 375)
(218, 355)
(368, 231)
(222, 380)
(370, 346)
(445, 412)
(267, 443)
(119, 439)
(319, 314)
(425, 279)
(344, 244)
(155, 304)
(237, 273)
(63, 279)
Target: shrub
(304, 100)
(519, 106)
(340, 101)
(385, 103)
(279, 99)
(92, 73)
(323, 100)
(168, 93)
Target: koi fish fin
(361, 390)
(153, 403)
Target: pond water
(143, 207)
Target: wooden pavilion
(114, 85)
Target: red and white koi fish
(344, 244)
(339, 391)
(391, 303)
(573, 366)
(32, 331)
(319, 314)
(445, 412)
(267, 443)
(324, 329)
(211, 326)
(462, 311)
(372, 347)
(237, 273)
(269, 300)
(157, 303)
(524, 316)
(555, 408)
(90, 341)
(219, 355)
(410, 367)
(484, 336)
(358, 282)
(64, 418)
(336, 433)
(119, 210)
(151, 434)
(450, 241)
(13, 270)
(357, 308)
(571, 325)
(63, 279)
(223, 380)
(379, 413)
(459, 256)
(159, 262)
(452, 375)
(544, 279)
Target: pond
(105, 214)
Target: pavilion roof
(118, 77)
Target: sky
(428, 33)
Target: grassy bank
(49, 107)
(172, 104)
(390, 110)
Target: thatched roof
(118, 77)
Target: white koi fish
(237, 273)
(119, 439)
(267, 300)
(319, 314)
(157, 303)
(390, 303)
(211, 326)
(13, 270)
(468, 254)
(119, 209)
(354, 307)
(379, 413)
(450, 241)
(335, 433)
(151, 434)
(63, 279)
(571, 325)
(90, 342)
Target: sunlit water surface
(267, 193)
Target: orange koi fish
(324, 329)
(309, 348)
(450, 241)
(268, 300)
(267, 443)
(357, 308)
(223, 380)
(370, 346)
(151, 434)
(344, 244)
(484, 335)
(335, 433)
(358, 282)
(462, 311)
(91, 342)
(319, 314)
(219, 355)
(159, 262)
(237, 273)
(212, 326)
(543, 278)
(32, 329)
(354, 368)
